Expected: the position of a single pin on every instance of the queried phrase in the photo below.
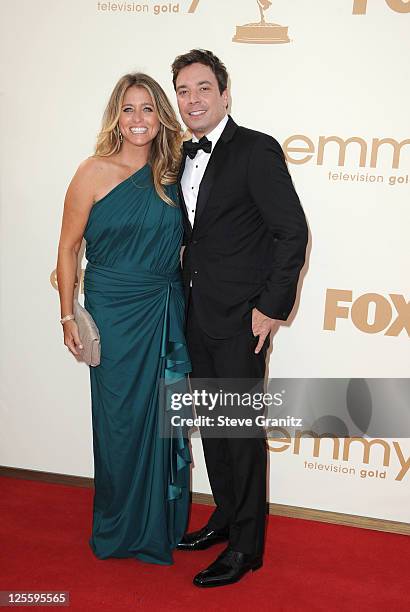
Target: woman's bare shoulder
(84, 179)
(91, 172)
(93, 166)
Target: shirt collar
(216, 133)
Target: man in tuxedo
(245, 243)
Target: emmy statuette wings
(264, 4)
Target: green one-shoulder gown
(133, 291)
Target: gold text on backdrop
(299, 143)
(287, 441)
(399, 6)
(374, 304)
(194, 6)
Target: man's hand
(262, 327)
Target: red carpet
(309, 566)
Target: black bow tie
(192, 148)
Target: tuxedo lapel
(212, 172)
(180, 191)
(214, 168)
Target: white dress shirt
(195, 169)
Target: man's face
(200, 103)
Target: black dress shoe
(202, 539)
(229, 567)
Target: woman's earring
(121, 137)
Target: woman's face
(139, 122)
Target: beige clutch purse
(89, 335)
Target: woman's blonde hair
(165, 151)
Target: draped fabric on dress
(133, 290)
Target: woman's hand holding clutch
(72, 337)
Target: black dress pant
(236, 465)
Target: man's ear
(225, 96)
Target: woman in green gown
(123, 202)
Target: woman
(123, 201)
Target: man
(245, 237)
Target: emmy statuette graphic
(263, 32)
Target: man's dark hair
(207, 58)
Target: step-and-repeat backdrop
(330, 80)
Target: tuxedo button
(195, 271)
(195, 242)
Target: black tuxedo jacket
(248, 242)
